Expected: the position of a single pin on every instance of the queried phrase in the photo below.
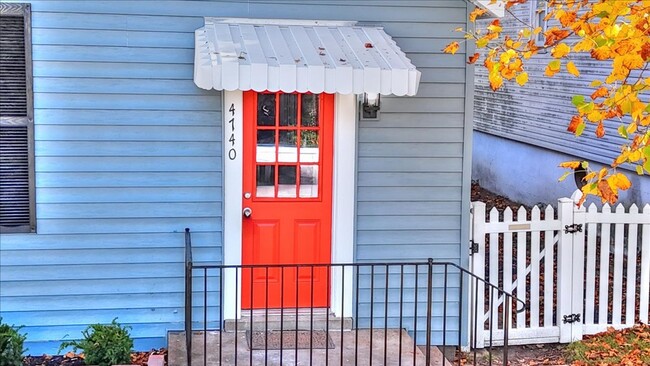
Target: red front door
(288, 151)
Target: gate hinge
(571, 318)
(473, 247)
(572, 229)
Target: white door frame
(343, 190)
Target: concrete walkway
(358, 354)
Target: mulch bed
(72, 359)
(493, 200)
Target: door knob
(247, 212)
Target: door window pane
(309, 151)
(288, 109)
(265, 109)
(265, 181)
(308, 181)
(288, 150)
(309, 110)
(287, 181)
(265, 146)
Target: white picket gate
(571, 266)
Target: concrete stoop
(356, 350)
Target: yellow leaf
(507, 56)
(595, 116)
(572, 69)
(595, 83)
(602, 173)
(563, 177)
(522, 78)
(631, 128)
(495, 27)
(526, 32)
(451, 48)
(495, 81)
(459, 29)
(637, 110)
(570, 164)
(635, 155)
(620, 181)
(589, 176)
(560, 50)
(552, 68)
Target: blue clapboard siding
(128, 153)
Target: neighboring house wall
(128, 154)
(520, 132)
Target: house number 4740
(232, 153)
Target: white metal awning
(300, 56)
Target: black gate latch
(473, 247)
(573, 228)
(571, 318)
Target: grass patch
(613, 347)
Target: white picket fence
(583, 264)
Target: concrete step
(350, 348)
(276, 319)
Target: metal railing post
(429, 306)
(188, 296)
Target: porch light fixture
(370, 106)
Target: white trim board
(343, 195)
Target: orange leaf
(606, 192)
(570, 164)
(473, 58)
(451, 48)
(476, 13)
(575, 122)
(645, 52)
(600, 130)
(600, 92)
(511, 3)
(600, 53)
(567, 18)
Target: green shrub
(11, 345)
(104, 345)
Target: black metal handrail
(188, 295)
(408, 273)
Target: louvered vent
(13, 86)
(14, 177)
